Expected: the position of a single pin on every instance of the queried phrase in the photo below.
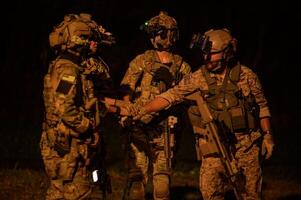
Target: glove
(132, 110)
(267, 145)
(139, 113)
(163, 74)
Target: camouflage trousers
(69, 178)
(138, 164)
(212, 181)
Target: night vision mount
(201, 42)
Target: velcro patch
(65, 85)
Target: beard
(216, 66)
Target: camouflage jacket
(248, 83)
(139, 76)
(67, 91)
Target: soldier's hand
(267, 145)
(125, 121)
(139, 113)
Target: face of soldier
(215, 62)
(164, 39)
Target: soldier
(71, 137)
(236, 100)
(149, 74)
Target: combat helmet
(214, 41)
(164, 26)
(218, 40)
(76, 30)
(163, 20)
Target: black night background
(268, 41)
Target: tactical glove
(267, 145)
(139, 113)
(132, 110)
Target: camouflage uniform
(139, 78)
(148, 75)
(71, 137)
(212, 178)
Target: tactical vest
(234, 112)
(147, 86)
(58, 134)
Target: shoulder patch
(66, 84)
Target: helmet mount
(162, 30)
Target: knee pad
(136, 191)
(161, 186)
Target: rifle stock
(212, 132)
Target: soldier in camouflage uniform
(224, 84)
(71, 137)
(149, 74)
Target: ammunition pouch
(239, 121)
(253, 121)
(252, 110)
(245, 118)
(59, 138)
(240, 116)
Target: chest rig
(149, 87)
(150, 65)
(58, 133)
(234, 111)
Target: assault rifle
(100, 175)
(218, 144)
(169, 139)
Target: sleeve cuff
(264, 112)
(168, 98)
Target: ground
(280, 183)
